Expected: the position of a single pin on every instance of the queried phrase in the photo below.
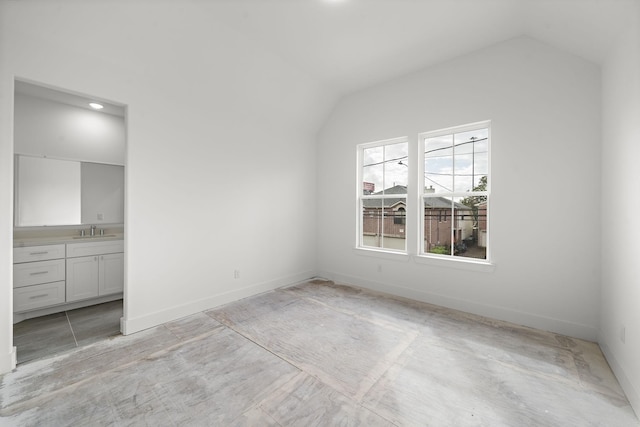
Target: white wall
(545, 241)
(620, 206)
(220, 148)
(43, 127)
(7, 353)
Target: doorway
(68, 233)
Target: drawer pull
(39, 296)
(39, 253)
(37, 273)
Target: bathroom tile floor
(320, 354)
(46, 336)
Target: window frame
(414, 205)
(422, 195)
(360, 196)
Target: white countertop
(56, 240)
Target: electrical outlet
(379, 268)
(623, 334)
(236, 274)
(100, 217)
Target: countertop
(56, 240)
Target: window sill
(460, 263)
(384, 254)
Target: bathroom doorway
(69, 223)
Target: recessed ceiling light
(96, 106)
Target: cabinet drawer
(38, 253)
(37, 296)
(33, 273)
(94, 248)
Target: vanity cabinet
(38, 277)
(99, 271)
(52, 275)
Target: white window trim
(415, 252)
(421, 254)
(460, 263)
(360, 196)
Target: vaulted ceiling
(352, 44)
(348, 45)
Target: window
(400, 217)
(383, 175)
(455, 168)
(451, 195)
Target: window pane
(463, 171)
(438, 164)
(383, 225)
(372, 223)
(393, 235)
(470, 227)
(385, 169)
(437, 225)
(372, 169)
(471, 159)
(396, 169)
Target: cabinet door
(111, 273)
(82, 278)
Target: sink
(97, 236)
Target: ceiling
(352, 44)
(348, 45)
(69, 98)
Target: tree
(474, 201)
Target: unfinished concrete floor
(319, 354)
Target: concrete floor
(318, 354)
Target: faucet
(93, 230)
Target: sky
(453, 162)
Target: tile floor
(49, 335)
(320, 354)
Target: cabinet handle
(39, 253)
(38, 296)
(38, 272)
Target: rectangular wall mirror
(51, 192)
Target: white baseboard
(495, 312)
(133, 325)
(632, 393)
(9, 361)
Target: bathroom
(68, 234)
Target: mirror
(102, 193)
(47, 192)
(62, 192)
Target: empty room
(319, 212)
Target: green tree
(474, 201)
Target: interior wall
(53, 129)
(620, 319)
(7, 351)
(220, 148)
(544, 106)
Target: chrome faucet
(93, 230)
